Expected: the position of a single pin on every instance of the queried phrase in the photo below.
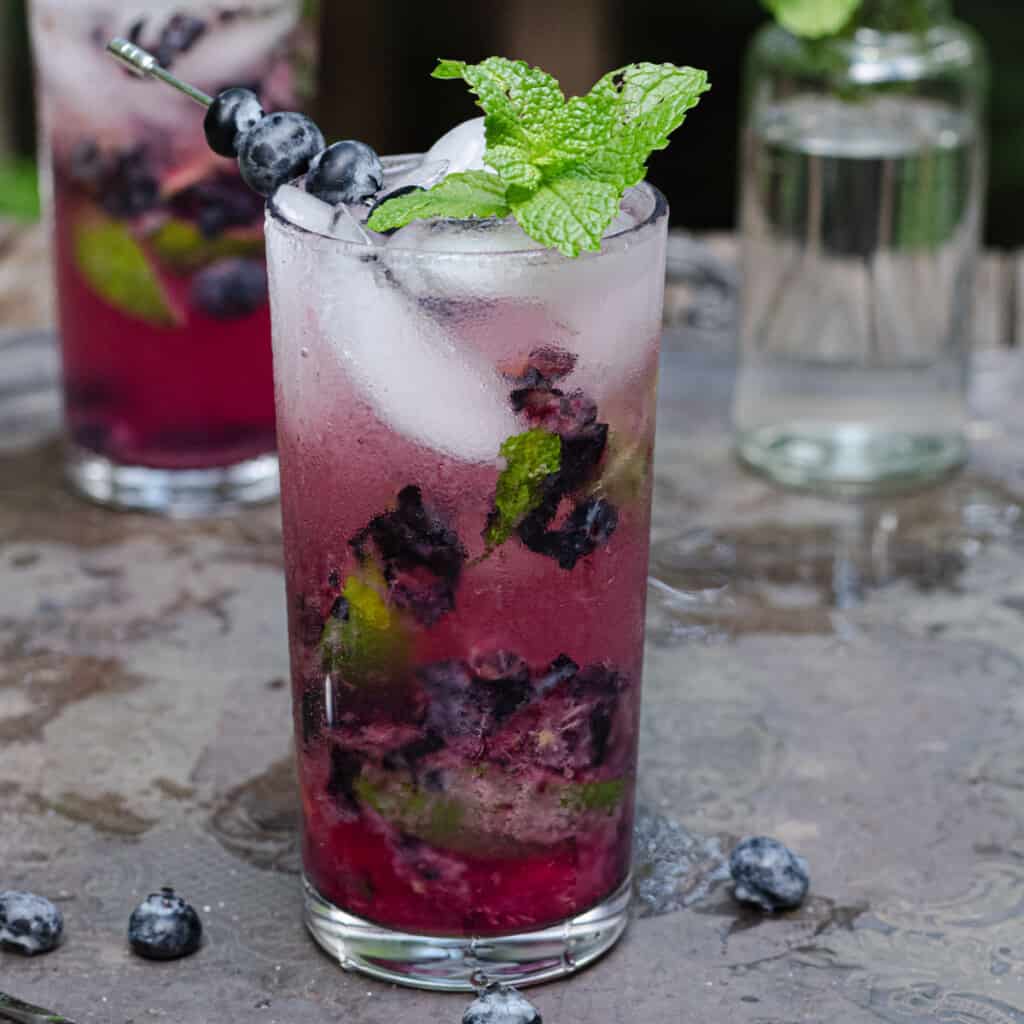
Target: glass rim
(657, 208)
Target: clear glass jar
(861, 208)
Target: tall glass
(466, 611)
(862, 192)
(160, 272)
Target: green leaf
(565, 165)
(813, 19)
(182, 249)
(115, 266)
(530, 459)
(568, 213)
(595, 796)
(460, 196)
(371, 645)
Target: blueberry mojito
(160, 272)
(466, 353)
(465, 364)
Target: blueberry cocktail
(465, 364)
(160, 273)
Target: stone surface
(846, 677)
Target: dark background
(377, 58)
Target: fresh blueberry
(230, 288)
(29, 924)
(421, 556)
(403, 191)
(164, 927)
(768, 874)
(129, 188)
(345, 172)
(180, 33)
(229, 117)
(501, 1004)
(278, 149)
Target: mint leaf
(460, 196)
(560, 166)
(813, 19)
(117, 270)
(371, 645)
(530, 459)
(595, 796)
(569, 212)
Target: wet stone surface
(848, 678)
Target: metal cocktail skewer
(142, 63)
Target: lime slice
(115, 266)
(181, 248)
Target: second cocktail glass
(466, 425)
(161, 281)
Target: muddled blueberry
(340, 609)
(501, 1004)
(129, 188)
(217, 203)
(393, 194)
(474, 699)
(345, 172)
(346, 766)
(278, 149)
(86, 165)
(408, 755)
(588, 527)
(164, 927)
(180, 34)
(421, 556)
(229, 117)
(334, 579)
(768, 874)
(550, 409)
(230, 288)
(561, 669)
(29, 924)
(581, 455)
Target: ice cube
(345, 226)
(305, 210)
(425, 175)
(463, 147)
(445, 396)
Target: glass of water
(861, 209)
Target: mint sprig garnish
(560, 166)
(813, 19)
(530, 458)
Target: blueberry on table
(501, 1004)
(277, 149)
(164, 927)
(768, 874)
(345, 172)
(229, 117)
(29, 924)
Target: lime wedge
(115, 266)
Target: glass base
(467, 964)
(850, 460)
(183, 493)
